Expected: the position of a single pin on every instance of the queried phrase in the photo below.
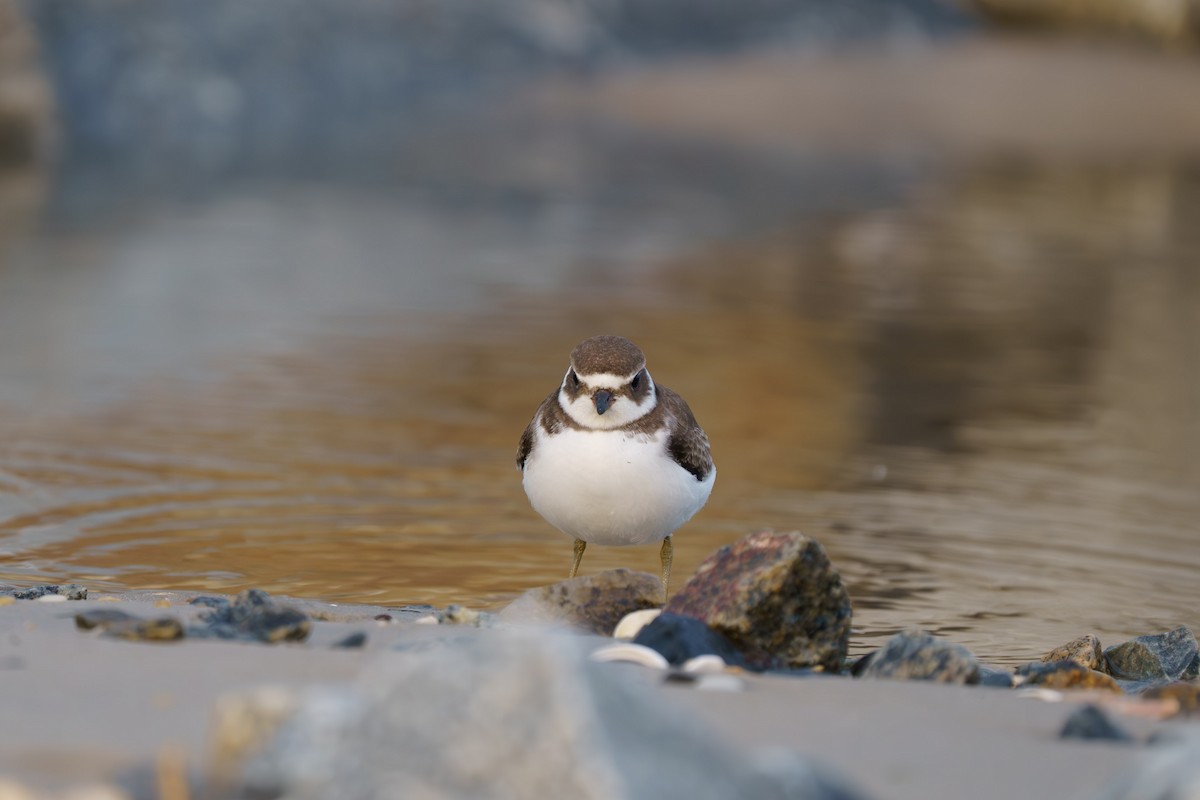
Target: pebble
(1186, 694)
(68, 591)
(355, 640)
(776, 597)
(1084, 651)
(634, 621)
(918, 655)
(252, 616)
(587, 603)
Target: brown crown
(614, 354)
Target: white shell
(704, 665)
(633, 654)
(1038, 693)
(634, 621)
(52, 598)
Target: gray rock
(918, 655)
(996, 676)
(252, 616)
(71, 591)
(777, 597)
(1089, 722)
(1084, 651)
(1165, 657)
(590, 603)
(538, 720)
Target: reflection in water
(979, 399)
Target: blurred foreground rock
(590, 603)
(777, 597)
(1166, 772)
(680, 638)
(502, 715)
(26, 108)
(1067, 675)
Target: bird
(613, 458)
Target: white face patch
(622, 411)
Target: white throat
(622, 411)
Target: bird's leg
(580, 546)
(666, 554)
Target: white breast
(610, 488)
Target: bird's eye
(636, 383)
(572, 380)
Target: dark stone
(1066, 675)
(253, 616)
(383, 617)
(542, 721)
(1090, 722)
(776, 597)
(209, 601)
(1185, 693)
(994, 676)
(71, 591)
(918, 655)
(354, 640)
(679, 638)
(1084, 651)
(590, 603)
(1164, 657)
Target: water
(975, 384)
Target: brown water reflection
(981, 400)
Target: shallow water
(976, 386)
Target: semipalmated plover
(611, 457)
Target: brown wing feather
(689, 444)
(548, 406)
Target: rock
(353, 641)
(71, 591)
(542, 721)
(242, 726)
(1066, 675)
(1186, 694)
(994, 676)
(918, 655)
(591, 603)
(1165, 657)
(681, 638)
(633, 622)
(776, 597)
(1090, 722)
(253, 616)
(1084, 651)
(458, 615)
(122, 625)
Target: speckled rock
(1084, 651)
(123, 625)
(542, 721)
(252, 616)
(71, 591)
(1186, 693)
(1165, 657)
(777, 597)
(996, 676)
(680, 638)
(1090, 722)
(1066, 675)
(918, 655)
(590, 603)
